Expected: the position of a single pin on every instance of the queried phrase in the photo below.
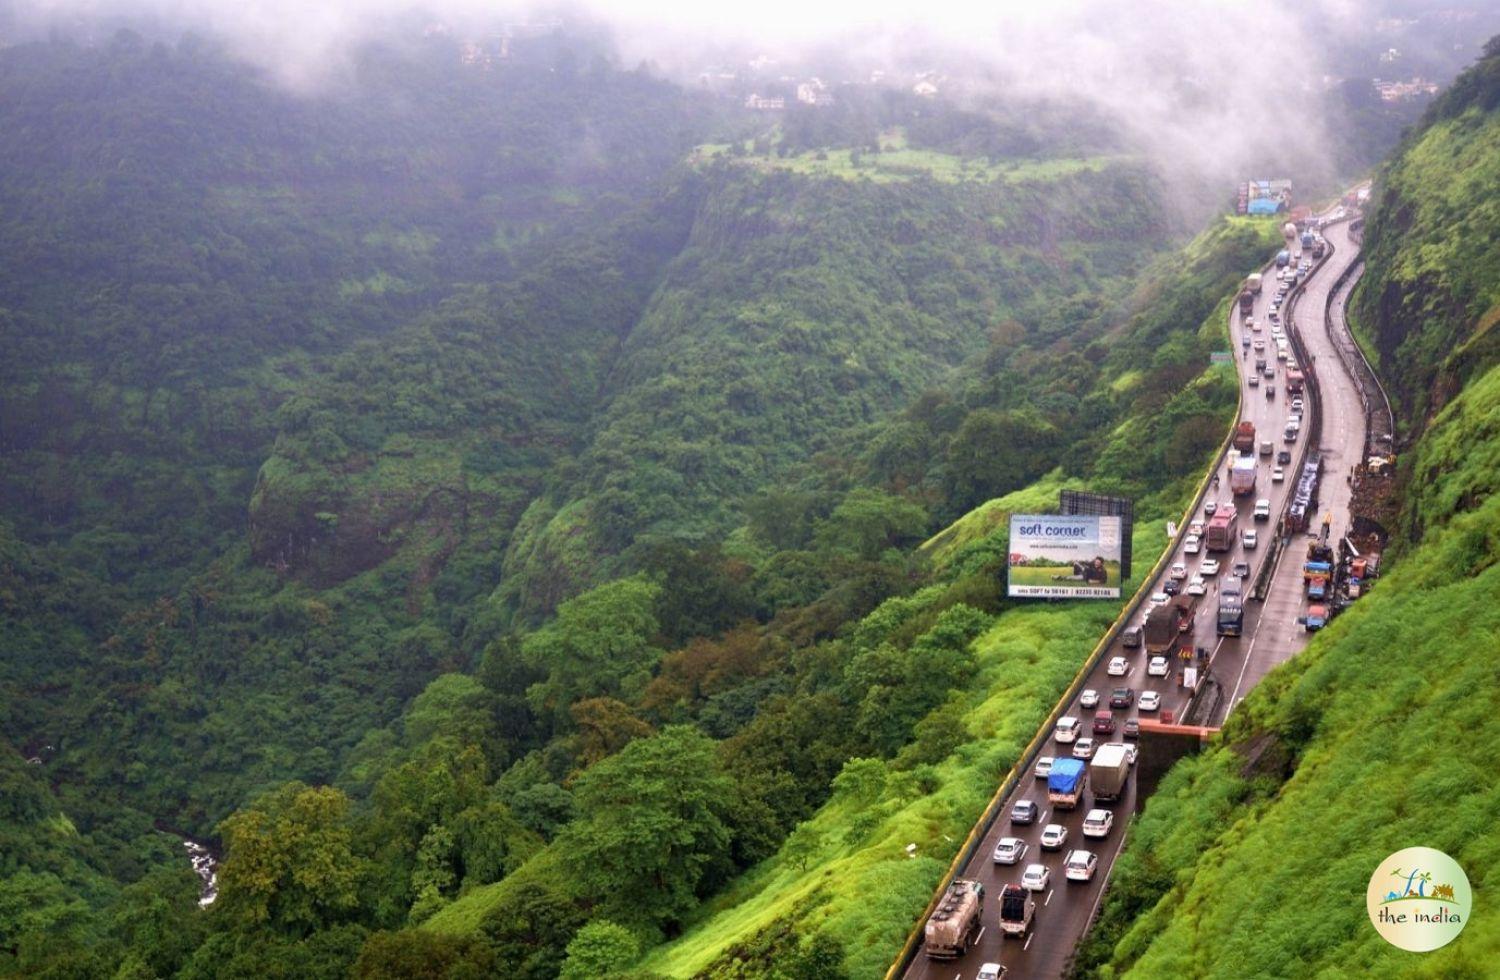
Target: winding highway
(1271, 633)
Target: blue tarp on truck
(1065, 782)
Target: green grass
(1380, 735)
(897, 161)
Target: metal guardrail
(1028, 755)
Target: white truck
(1109, 771)
(1242, 476)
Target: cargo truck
(1242, 473)
(1161, 629)
(955, 922)
(1315, 575)
(1316, 618)
(1283, 258)
(1108, 772)
(1294, 381)
(1247, 302)
(1017, 909)
(1253, 284)
(1244, 437)
(1066, 783)
(1222, 529)
(1307, 239)
(1319, 247)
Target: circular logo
(1419, 899)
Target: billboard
(1060, 556)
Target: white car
(1009, 850)
(1148, 701)
(1159, 599)
(1043, 767)
(1098, 823)
(990, 971)
(1297, 405)
(1196, 585)
(1118, 667)
(1157, 667)
(1054, 836)
(1067, 729)
(1278, 475)
(1179, 571)
(1263, 509)
(1255, 325)
(1192, 544)
(1249, 539)
(1089, 698)
(1209, 566)
(1036, 877)
(1083, 748)
(1080, 865)
(1195, 528)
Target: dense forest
(1342, 738)
(534, 519)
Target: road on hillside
(1065, 908)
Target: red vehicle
(1222, 529)
(1294, 382)
(1104, 722)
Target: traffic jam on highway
(1049, 851)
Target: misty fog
(1211, 93)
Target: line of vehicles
(1090, 769)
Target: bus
(1222, 528)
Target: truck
(1283, 258)
(1066, 783)
(1222, 529)
(955, 923)
(1242, 473)
(1017, 909)
(1247, 302)
(1108, 772)
(1165, 622)
(1294, 381)
(1289, 231)
(1315, 575)
(1253, 284)
(1244, 437)
(1316, 618)
(1307, 239)
(1319, 247)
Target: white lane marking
(1048, 899)
(981, 934)
(1027, 946)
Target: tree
(867, 522)
(288, 861)
(654, 827)
(598, 950)
(600, 643)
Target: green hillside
(940, 689)
(1252, 859)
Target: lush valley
(372, 538)
(541, 520)
(1352, 750)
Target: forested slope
(379, 464)
(1377, 736)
